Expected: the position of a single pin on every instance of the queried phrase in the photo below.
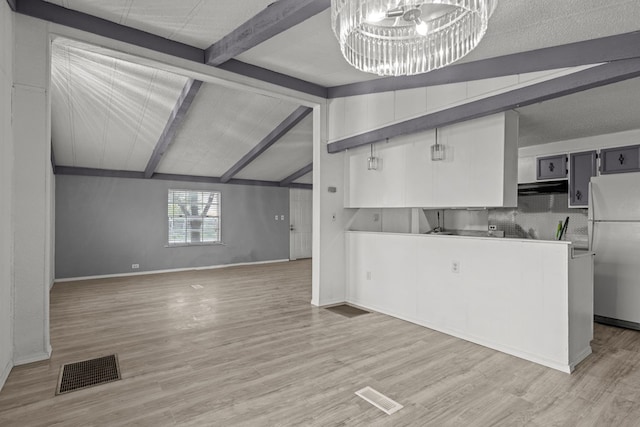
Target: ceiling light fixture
(437, 150)
(405, 37)
(372, 161)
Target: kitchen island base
(528, 298)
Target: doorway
(301, 216)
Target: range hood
(543, 187)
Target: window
(194, 217)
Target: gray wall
(103, 225)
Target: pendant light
(372, 161)
(437, 150)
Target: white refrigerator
(614, 236)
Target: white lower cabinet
(531, 299)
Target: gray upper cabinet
(551, 167)
(619, 160)
(582, 168)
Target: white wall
(6, 184)
(32, 196)
(357, 114)
(329, 218)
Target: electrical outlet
(493, 227)
(135, 266)
(455, 267)
(281, 217)
(368, 275)
(276, 217)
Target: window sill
(186, 245)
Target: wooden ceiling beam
(108, 173)
(596, 51)
(273, 20)
(297, 174)
(177, 116)
(274, 136)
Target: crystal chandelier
(406, 37)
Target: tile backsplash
(537, 217)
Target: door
(582, 167)
(618, 160)
(615, 197)
(301, 215)
(551, 167)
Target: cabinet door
(551, 167)
(618, 160)
(582, 168)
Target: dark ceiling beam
(302, 186)
(273, 20)
(274, 77)
(102, 27)
(273, 137)
(82, 21)
(300, 173)
(107, 173)
(12, 4)
(597, 76)
(606, 49)
(177, 116)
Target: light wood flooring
(248, 349)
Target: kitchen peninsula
(529, 298)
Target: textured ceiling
(198, 23)
(608, 109)
(222, 126)
(109, 113)
(516, 26)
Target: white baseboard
(326, 304)
(173, 270)
(36, 357)
(5, 373)
(554, 364)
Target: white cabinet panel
(419, 172)
(479, 169)
(410, 103)
(384, 187)
(495, 298)
(526, 169)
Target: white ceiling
(198, 23)
(222, 126)
(109, 113)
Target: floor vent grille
(347, 310)
(88, 373)
(379, 400)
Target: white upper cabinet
(479, 168)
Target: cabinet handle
(578, 195)
(551, 167)
(621, 159)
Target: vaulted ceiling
(118, 115)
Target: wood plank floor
(248, 349)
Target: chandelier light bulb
(376, 16)
(422, 27)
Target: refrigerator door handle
(590, 214)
